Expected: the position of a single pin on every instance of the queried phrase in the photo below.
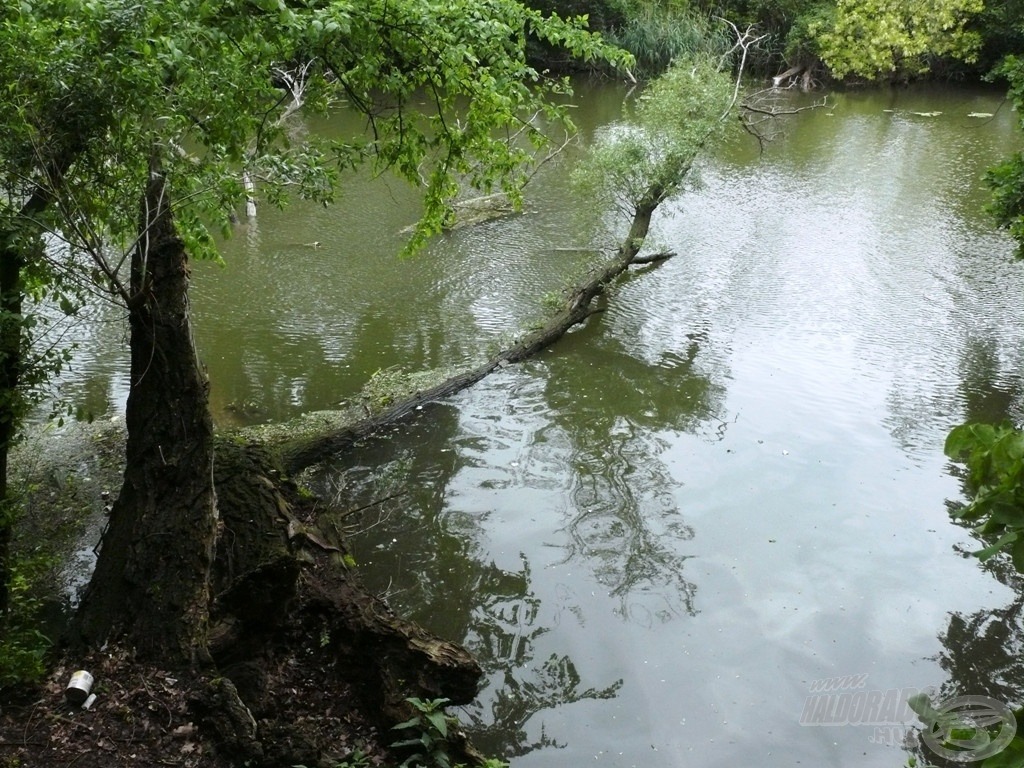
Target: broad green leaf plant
(994, 456)
(877, 38)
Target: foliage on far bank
(659, 32)
(879, 38)
(871, 40)
(1007, 178)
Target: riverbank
(300, 687)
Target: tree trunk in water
(151, 584)
(304, 442)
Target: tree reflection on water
(623, 516)
(504, 638)
(592, 433)
(428, 561)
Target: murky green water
(728, 485)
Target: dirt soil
(308, 669)
(146, 716)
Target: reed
(658, 31)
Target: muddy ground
(319, 681)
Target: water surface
(727, 485)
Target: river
(658, 535)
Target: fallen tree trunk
(277, 576)
(793, 71)
(314, 437)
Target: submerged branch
(315, 437)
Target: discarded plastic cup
(78, 689)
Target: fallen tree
(289, 619)
(633, 172)
(274, 561)
(316, 436)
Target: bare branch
(296, 81)
(744, 42)
(762, 107)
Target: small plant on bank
(429, 739)
(429, 732)
(657, 32)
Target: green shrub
(657, 32)
(995, 477)
(22, 646)
(801, 47)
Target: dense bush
(1001, 27)
(22, 646)
(917, 40)
(656, 33)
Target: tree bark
(151, 584)
(281, 586)
(11, 297)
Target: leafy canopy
(873, 38)
(93, 90)
(641, 163)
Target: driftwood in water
(314, 437)
(475, 210)
(793, 71)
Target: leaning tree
(178, 105)
(191, 109)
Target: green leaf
(440, 722)
(408, 743)
(990, 551)
(1012, 756)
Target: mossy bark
(277, 576)
(315, 437)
